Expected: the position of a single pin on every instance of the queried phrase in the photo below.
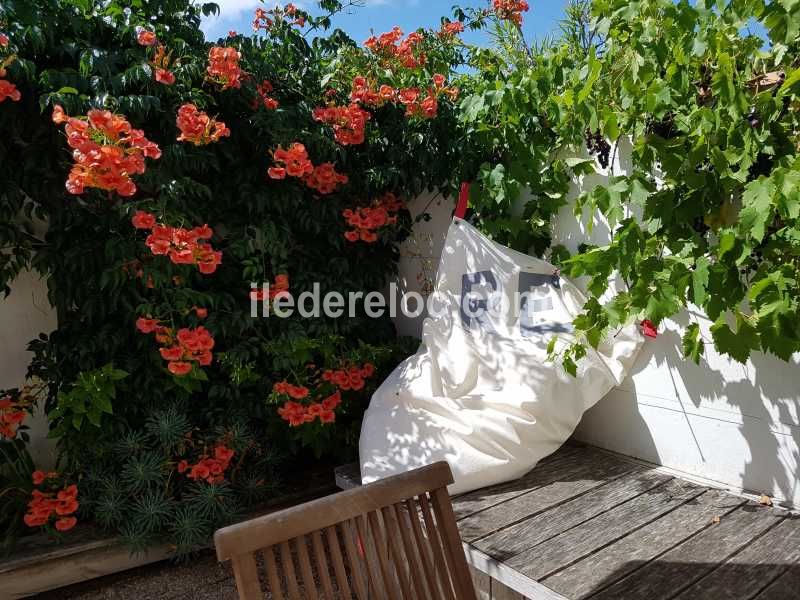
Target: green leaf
(77, 421)
(724, 86)
(93, 417)
(639, 192)
(791, 80)
(592, 76)
(787, 199)
(103, 403)
(657, 98)
(117, 374)
(58, 431)
(610, 124)
(570, 366)
(471, 107)
(700, 281)
(777, 335)
(756, 207)
(693, 345)
(580, 166)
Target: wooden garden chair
(395, 539)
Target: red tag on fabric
(463, 200)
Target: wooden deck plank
(667, 575)
(523, 531)
(549, 489)
(622, 557)
(565, 461)
(569, 547)
(348, 476)
(568, 448)
(784, 587)
(743, 576)
(539, 500)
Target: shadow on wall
(769, 458)
(732, 423)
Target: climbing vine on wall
(173, 171)
(708, 94)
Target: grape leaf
(693, 345)
(580, 166)
(756, 207)
(700, 281)
(791, 79)
(788, 198)
(592, 74)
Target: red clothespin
(463, 201)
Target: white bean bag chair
(480, 392)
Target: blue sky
(382, 15)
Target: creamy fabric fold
(480, 392)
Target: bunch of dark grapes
(699, 225)
(762, 166)
(664, 127)
(597, 144)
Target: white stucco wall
(23, 316)
(736, 424)
(420, 253)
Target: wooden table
(586, 523)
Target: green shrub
(122, 303)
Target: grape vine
(708, 94)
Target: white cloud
(234, 12)
(230, 11)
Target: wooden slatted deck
(586, 523)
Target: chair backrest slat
(451, 540)
(287, 564)
(379, 538)
(415, 568)
(398, 559)
(366, 544)
(424, 549)
(357, 560)
(323, 570)
(435, 541)
(272, 573)
(335, 551)
(395, 539)
(310, 586)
